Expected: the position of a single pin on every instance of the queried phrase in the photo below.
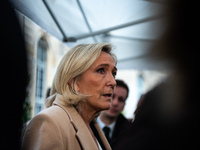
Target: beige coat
(60, 127)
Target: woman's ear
(74, 85)
(77, 86)
(71, 83)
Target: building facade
(44, 52)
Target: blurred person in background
(83, 86)
(111, 121)
(14, 77)
(48, 92)
(139, 104)
(168, 117)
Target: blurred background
(51, 27)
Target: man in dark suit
(112, 122)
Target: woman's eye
(101, 70)
(114, 74)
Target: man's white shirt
(111, 126)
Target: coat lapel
(82, 133)
(102, 136)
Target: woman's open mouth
(109, 95)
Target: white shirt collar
(102, 125)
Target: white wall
(130, 77)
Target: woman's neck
(87, 113)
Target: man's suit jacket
(122, 124)
(60, 127)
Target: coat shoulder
(54, 129)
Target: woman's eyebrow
(107, 65)
(115, 68)
(103, 65)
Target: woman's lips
(107, 95)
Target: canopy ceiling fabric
(132, 26)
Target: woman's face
(99, 82)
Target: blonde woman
(83, 86)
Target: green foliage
(26, 106)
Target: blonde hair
(74, 63)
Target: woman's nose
(111, 81)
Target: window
(41, 72)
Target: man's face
(118, 102)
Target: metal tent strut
(85, 18)
(93, 33)
(56, 21)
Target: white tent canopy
(132, 26)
